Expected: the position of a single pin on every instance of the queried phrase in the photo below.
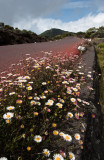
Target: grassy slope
(100, 56)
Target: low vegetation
(100, 56)
(10, 35)
(42, 115)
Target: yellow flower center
(53, 125)
(28, 148)
(58, 158)
(76, 136)
(55, 132)
(8, 121)
(67, 137)
(10, 108)
(35, 113)
(70, 156)
(46, 152)
(37, 139)
(7, 116)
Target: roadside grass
(100, 56)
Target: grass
(100, 56)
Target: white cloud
(78, 4)
(39, 25)
(13, 10)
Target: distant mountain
(53, 32)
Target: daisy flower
(46, 91)
(73, 100)
(10, 108)
(30, 97)
(61, 134)
(79, 100)
(47, 67)
(77, 136)
(18, 101)
(22, 80)
(1, 89)
(67, 137)
(26, 77)
(3, 158)
(55, 132)
(49, 103)
(71, 156)
(54, 124)
(69, 114)
(28, 148)
(8, 115)
(69, 91)
(38, 103)
(89, 75)
(75, 89)
(62, 101)
(8, 120)
(65, 82)
(29, 88)
(38, 138)
(33, 102)
(59, 105)
(57, 157)
(36, 113)
(44, 83)
(12, 93)
(46, 152)
(37, 98)
(43, 97)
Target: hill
(53, 32)
(9, 35)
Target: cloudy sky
(40, 15)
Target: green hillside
(53, 32)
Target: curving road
(13, 53)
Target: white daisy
(69, 114)
(44, 83)
(37, 98)
(77, 136)
(59, 105)
(49, 103)
(38, 103)
(61, 134)
(38, 138)
(46, 152)
(8, 115)
(67, 137)
(62, 100)
(75, 89)
(33, 102)
(12, 93)
(73, 100)
(10, 108)
(71, 156)
(29, 88)
(79, 100)
(26, 77)
(65, 82)
(3, 158)
(43, 97)
(57, 157)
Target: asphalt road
(13, 53)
